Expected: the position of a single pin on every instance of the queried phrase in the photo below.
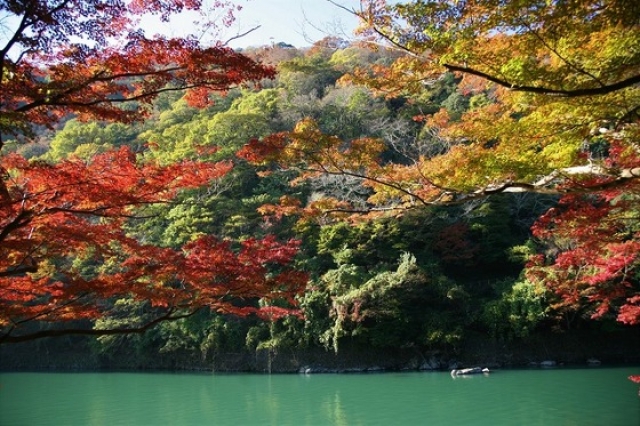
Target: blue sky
(290, 21)
(297, 22)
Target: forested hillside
(358, 200)
(425, 278)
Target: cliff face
(569, 348)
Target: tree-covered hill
(363, 200)
(427, 278)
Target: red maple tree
(592, 237)
(88, 59)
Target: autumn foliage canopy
(89, 60)
(555, 91)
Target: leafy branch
(170, 315)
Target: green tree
(311, 74)
(521, 308)
(400, 308)
(87, 139)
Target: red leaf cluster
(52, 215)
(593, 254)
(64, 254)
(91, 58)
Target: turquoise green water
(602, 397)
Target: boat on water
(468, 371)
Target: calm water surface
(599, 397)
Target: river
(580, 397)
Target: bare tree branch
(238, 36)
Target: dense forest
(389, 229)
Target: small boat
(467, 371)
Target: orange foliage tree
(563, 80)
(89, 60)
(561, 115)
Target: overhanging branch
(550, 184)
(545, 185)
(169, 316)
(600, 90)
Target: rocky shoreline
(544, 351)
